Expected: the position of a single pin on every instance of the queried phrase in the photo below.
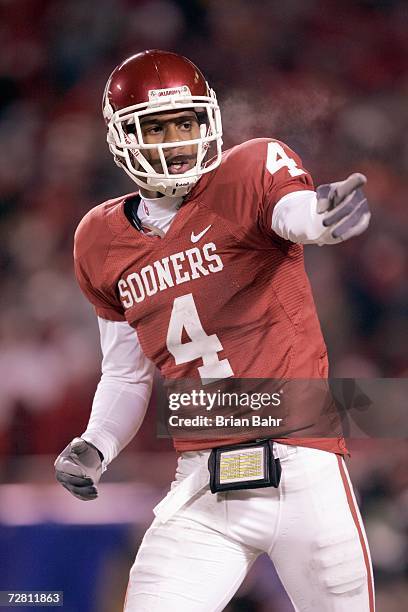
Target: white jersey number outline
(277, 159)
(184, 315)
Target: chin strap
(171, 189)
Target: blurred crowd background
(330, 79)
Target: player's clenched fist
(78, 468)
(344, 209)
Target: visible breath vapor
(294, 113)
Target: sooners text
(169, 271)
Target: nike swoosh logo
(196, 237)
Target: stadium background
(329, 78)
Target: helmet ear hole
(201, 115)
(130, 128)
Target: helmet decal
(159, 94)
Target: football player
(200, 273)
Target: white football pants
(193, 558)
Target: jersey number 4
(277, 159)
(184, 316)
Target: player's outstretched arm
(334, 213)
(78, 468)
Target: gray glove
(344, 208)
(78, 468)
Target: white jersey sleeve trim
(124, 390)
(295, 218)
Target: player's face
(171, 127)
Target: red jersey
(220, 294)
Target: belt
(199, 478)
